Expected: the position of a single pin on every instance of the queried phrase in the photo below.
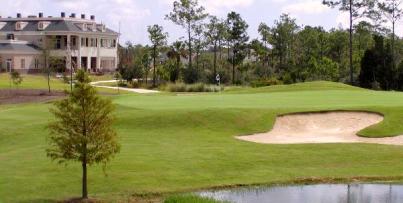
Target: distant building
(79, 42)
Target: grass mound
(306, 86)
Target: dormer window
(43, 25)
(93, 27)
(101, 27)
(84, 27)
(20, 25)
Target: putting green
(180, 143)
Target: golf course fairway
(180, 143)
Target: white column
(89, 63)
(79, 52)
(98, 54)
(68, 55)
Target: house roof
(54, 26)
(20, 48)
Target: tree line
(368, 53)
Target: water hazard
(323, 193)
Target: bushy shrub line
(266, 82)
(197, 87)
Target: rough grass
(189, 199)
(184, 143)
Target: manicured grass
(38, 81)
(182, 143)
(33, 82)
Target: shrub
(266, 82)
(198, 87)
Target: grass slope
(182, 143)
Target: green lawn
(40, 82)
(183, 143)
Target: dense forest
(369, 53)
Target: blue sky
(135, 15)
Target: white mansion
(78, 42)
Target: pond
(323, 193)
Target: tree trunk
(154, 56)
(47, 69)
(84, 183)
(215, 60)
(393, 45)
(190, 45)
(219, 48)
(233, 69)
(351, 43)
(49, 81)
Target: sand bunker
(330, 127)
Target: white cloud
(305, 7)
(343, 19)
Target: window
(86, 42)
(93, 42)
(82, 42)
(41, 26)
(22, 63)
(10, 36)
(18, 26)
(114, 43)
(73, 41)
(58, 44)
(36, 63)
(9, 65)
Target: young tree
(356, 9)
(187, 13)
(16, 78)
(47, 69)
(82, 130)
(238, 37)
(158, 38)
(118, 78)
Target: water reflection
(324, 193)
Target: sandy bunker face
(330, 127)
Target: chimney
(73, 15)
(40, 15)
(82, 16)
(92, 17)
(18, 15)
(63, 14)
